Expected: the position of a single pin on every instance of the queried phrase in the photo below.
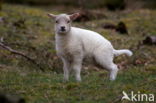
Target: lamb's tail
(123, 51)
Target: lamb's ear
(74, 16)
(51, 15)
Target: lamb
(74, 44)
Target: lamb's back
(90, 39)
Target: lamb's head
(63, 22)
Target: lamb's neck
(62, 38)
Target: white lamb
(74, 44)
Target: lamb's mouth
(62, 32)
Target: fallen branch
(118, 99)
(19, 53)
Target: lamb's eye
(56, 21)
(68, 21)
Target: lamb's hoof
(65, 80)
(112, 79)
(78, 80)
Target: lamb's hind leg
(113, 71)
(108, 64)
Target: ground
(29, 30)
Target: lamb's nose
(62, 28)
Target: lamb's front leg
(66, 69)
(77, 64)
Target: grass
(29, 30)
(38, 87)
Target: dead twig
(117, 100)
(19, 53)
